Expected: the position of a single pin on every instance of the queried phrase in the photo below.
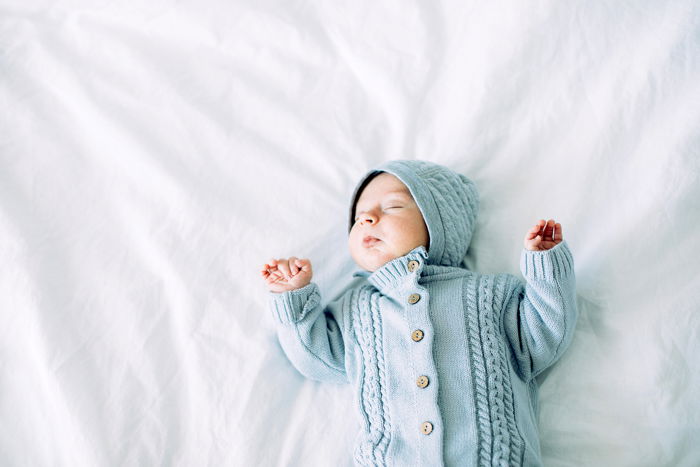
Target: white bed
(154, 154)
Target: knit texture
(469, 375)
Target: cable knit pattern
(442, 359)
(507, 442)
(478, 366)
(516, 447)
(369, 337)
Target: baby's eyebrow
(399, 192)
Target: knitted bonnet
(448, 201)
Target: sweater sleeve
(311, 335)
(540, 315)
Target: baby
(443, 359)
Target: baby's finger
(292, 265)
(537, 230)
(283, 266)
(542, 224)
(278, 273)
(304, 264)
(532, 233)
(551, 224)
(272, 278)
(559, 233)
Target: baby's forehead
(386, 183)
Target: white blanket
(155, 154)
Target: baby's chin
(373, 260)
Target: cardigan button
(417, 335)
(413, 298)
(422, 381)
(426, 428)
(412, 265)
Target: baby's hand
(543, 236)
(284, 274)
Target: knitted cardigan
(443, 360)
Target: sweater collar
(394, 273)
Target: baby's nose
(367, 218)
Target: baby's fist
(543, 236)
(284, 274)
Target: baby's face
(388, 223)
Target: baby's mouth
(370, 241)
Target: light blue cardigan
(447, 379)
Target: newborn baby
(443, 359)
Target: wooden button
(413, 298)
(422, 381)
(412, 265)
(417, 335)
(426, 428)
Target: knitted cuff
(291, 306)
(551, 264)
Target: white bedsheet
(154, 154)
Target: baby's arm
(311, 336)
(541, 314)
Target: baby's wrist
(291, 306)
(287, 288)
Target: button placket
(417, 335)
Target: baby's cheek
(353, 248)
(351, 239)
